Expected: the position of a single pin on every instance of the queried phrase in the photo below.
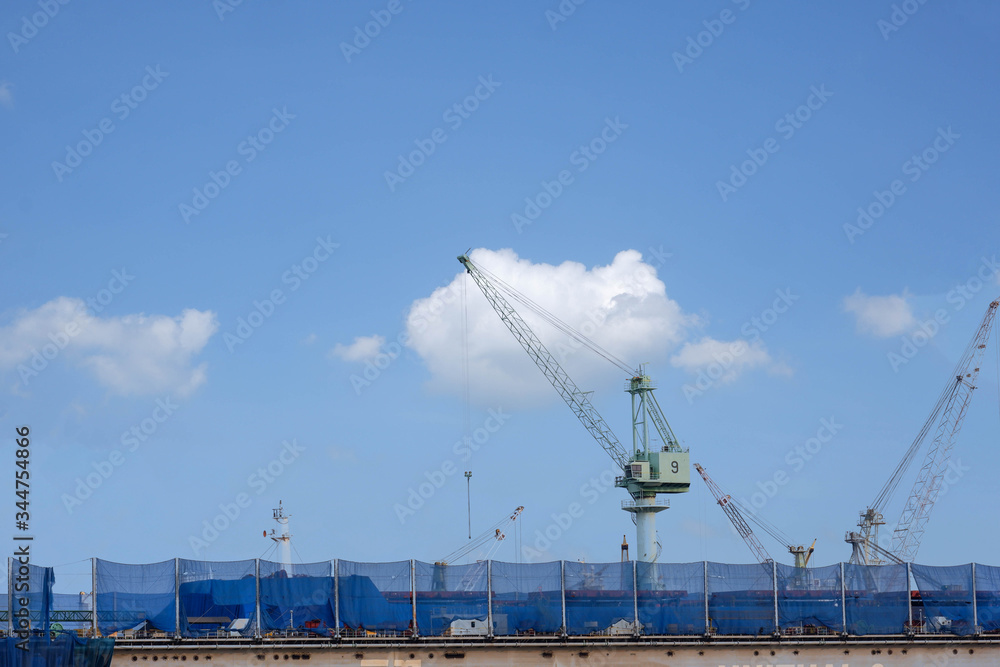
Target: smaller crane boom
(731, 507)
(493, 534)
(736, 517)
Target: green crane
(646, 471)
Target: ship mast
(283, 538)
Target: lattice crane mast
(948, 414)
(646, 473)
(735, 512)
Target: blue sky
(170, 171)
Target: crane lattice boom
(948, 414)
(913, 520)
(736, 517)
(577, 400)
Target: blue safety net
(70, 602)
(599, 598)
(741, 599)
(809, 600)
(877, 599)
(129, 596)
(945, 602)
(671, 598)
(988, 597)
(375, 598)
(63, 650)
(527, 598)
(215, 594)
(451, 599)
(297, 597)
(31, 602)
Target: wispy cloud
(881, 316)
(362, 349)
(735, 357)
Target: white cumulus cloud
(881, 316)
(623, 307)
(130, 355)
(362, 349)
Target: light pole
(468, 497)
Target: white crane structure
(494, 534)
(945, 421)
(282, 538)
(646, 472)
(738, 514)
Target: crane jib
(948, 413)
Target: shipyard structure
(556, 613)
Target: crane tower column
(645, 510)
(649, 473)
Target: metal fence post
(774, 587)
(975, 606)
(336, 598)
(413, 596)
(909, 599)
(562, 588)
(256, 624)
(635, 597)
(489, 598)
(843, 597)
(93, 597)
(708, 622)
(177, 598)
